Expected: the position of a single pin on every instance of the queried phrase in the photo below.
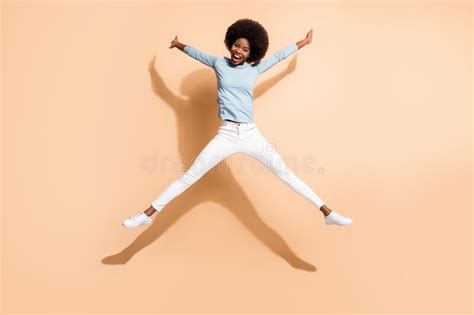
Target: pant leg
(257, 146)
(215, 151)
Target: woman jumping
(247, 42)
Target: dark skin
(241, 47)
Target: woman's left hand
(309, 37)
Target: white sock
(336, 218)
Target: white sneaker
(136, 220)
(336, 218)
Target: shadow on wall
(197, 123)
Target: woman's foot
(137, 220)
(335, 218)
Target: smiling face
(240, 51)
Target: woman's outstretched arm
(283, 53)
(208, 60)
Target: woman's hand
(174, 42)
(309, 37)
(307, 40)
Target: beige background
(99, 116)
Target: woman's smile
(240, 51)
(236, 58)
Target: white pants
(233, 138)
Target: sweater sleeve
(208, 60)
(269, 62)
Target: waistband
(232, 123)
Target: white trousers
(232, 138)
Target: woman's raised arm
(283, 53)
(208, 60)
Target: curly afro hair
(254, 32)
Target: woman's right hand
(174, 42)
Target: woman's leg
(260, 148)
(215, 151)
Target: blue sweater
(235, 82)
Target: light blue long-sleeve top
(235, 82)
